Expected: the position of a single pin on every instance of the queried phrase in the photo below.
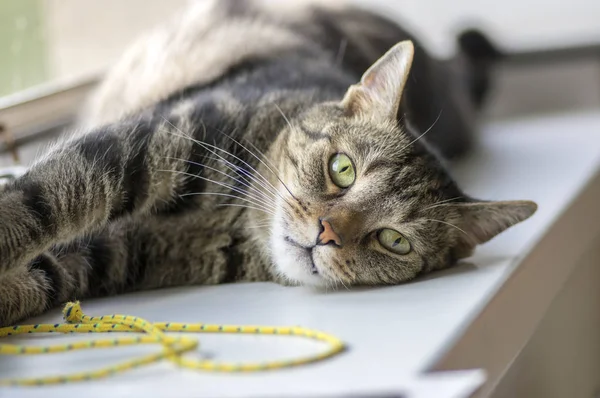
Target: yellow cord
(173, 347)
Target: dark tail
(481, 55)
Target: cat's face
(364, 202)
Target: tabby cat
(240, 143)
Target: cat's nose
(328, 235)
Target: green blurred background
(24, 61)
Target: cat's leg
(129, 255)
(123, 169)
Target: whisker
(291, 128)
(205, 145)
(246, 183)
(237, 170)
(266, 222)
(426, 131)
(284, 116)
(259, 226)
(229, 186)
(450, 224)
(262, 222)
(243, 172)
(259, 159)
(248, 207)
(339, 279)
(246, 176)
(442, 203)
(226, 195)
(263, 155)
(233, 167)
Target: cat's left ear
(380, 89)
(481, 221)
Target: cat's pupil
(396, 242)
(344, 169)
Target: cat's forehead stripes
(312, 134)
(378, 166)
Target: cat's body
(219, 150)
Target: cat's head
(371, 204)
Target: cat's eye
(341, 170)
(393, 241)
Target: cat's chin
(295, 264)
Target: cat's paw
(8, 318)
(5, 319)
(24, 292)
(21, 219)
(8, 309)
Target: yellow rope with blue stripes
(172, 347)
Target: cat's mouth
(313, 267)
(309, 251)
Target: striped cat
(240, 143)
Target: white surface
(394, 333)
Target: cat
(239, 142)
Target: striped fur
(203, 161)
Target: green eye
(341, 170)
(393, 241)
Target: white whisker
(422, 135)
(202, 143)
(247, 207)
(245, 182)
(216, 182)
(227, 195)
(240, 171)
(339, 278)
(259, 226)
(257, 158)
(263, 155)
(237, 170)
(284, 116)
(207, 146)
(442, 203)
(450, 224)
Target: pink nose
(328, 235)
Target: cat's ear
(380, 89)
(481, 221)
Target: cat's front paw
(8, 316)
(9, 304)
(24, 220)
(24, 292)
(15, 232)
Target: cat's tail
(481, 56)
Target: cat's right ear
(380, 89)
(481, 221)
